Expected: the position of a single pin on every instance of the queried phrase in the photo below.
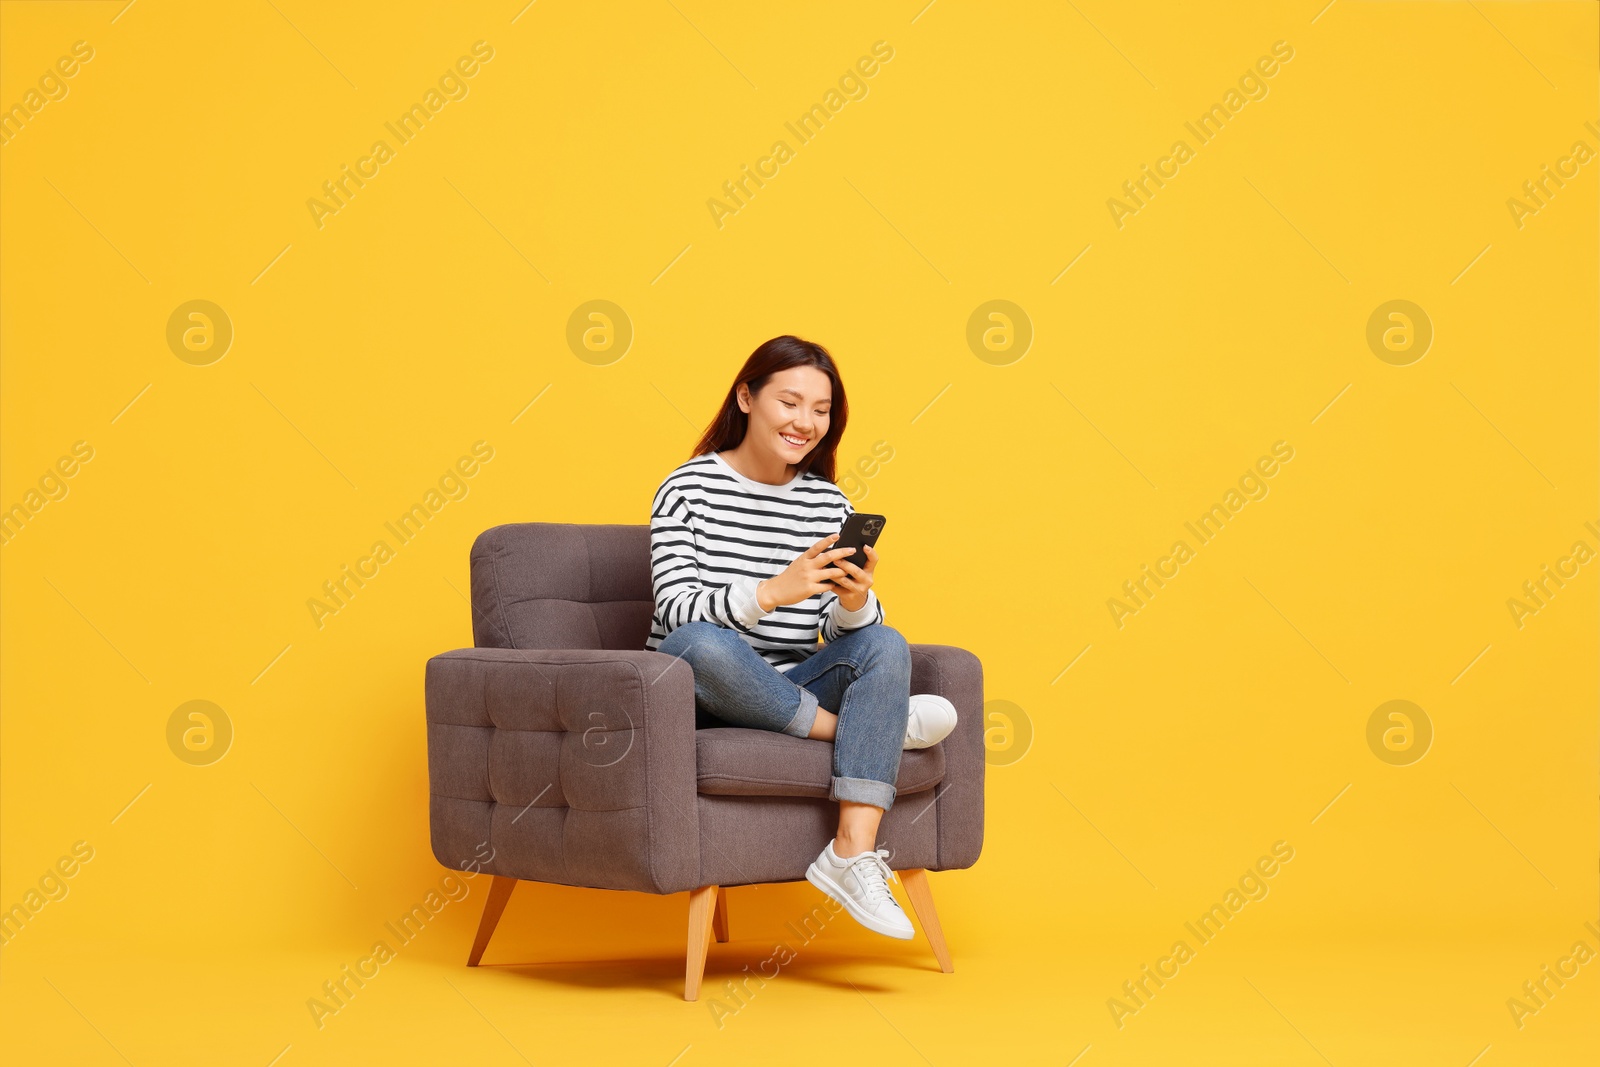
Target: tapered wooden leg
(921, 894)
(499, 893)
(719, 920)
(702, 903)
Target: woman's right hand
(811, 573)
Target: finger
(811, 552)
(850, 568)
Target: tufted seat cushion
(736, 761)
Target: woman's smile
(794, 440)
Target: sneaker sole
(817, 877)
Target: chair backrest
(562, 585)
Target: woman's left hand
(857, 581)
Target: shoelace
(872, 872)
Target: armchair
(559, 751)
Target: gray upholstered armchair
(560, 751)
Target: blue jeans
(863, 676)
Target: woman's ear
(742, 395)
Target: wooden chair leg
(702, 903)
(719, 919)
(499, 893)
(921, 894)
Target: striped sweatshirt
(715, 534)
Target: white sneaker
(932, 720)
(861, 884)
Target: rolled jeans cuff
(863, 790)
(806, 717)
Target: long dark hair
(780, 353)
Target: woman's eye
(786, 404)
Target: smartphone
(858, 531)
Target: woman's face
(790, 413)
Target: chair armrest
(957, 675)
(573, 766)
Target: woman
(745, 583)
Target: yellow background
(430, 311)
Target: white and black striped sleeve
(675, 573)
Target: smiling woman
(758, 491)
(745, 582)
